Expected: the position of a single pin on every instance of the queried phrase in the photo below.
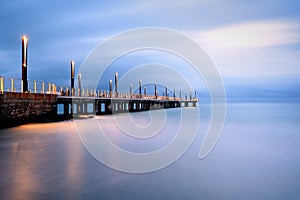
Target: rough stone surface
(26, 107)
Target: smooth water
(256, 157)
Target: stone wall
(16, 108)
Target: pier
(48, 103)
(23, 100)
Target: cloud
(255, 34)
(263, 49)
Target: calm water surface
(257, 157)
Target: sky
(255, 45)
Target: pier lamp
(110, 88)
(140, 87)
(72, 76)
(130, 89)
(166, 91)
(79, 84)
(24, 62)
(116, 84)
(155, 90)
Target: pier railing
(65, 91)
(34, 86)
(42, 87)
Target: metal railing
(16, 85)
(65, 91)
(42, 87)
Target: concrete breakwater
(16, 108)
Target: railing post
(49, 88)
(34, 86)
(43, 87)
(53, 88)
(12, 85)
(2, 84)
(21, 86)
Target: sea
(257, 156)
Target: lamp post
(72, 77)
(116, 84)
(24, 62)
(180, 95)
(140, 87)
(155, 90)
(110, 88)
(167, 91)
(79, 84)
(130, 90)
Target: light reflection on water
(257, 157)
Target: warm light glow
(25, 38)
(25, 44)
(72, 68)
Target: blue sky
(255, 45)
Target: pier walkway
(43, 101)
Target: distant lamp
(72, 76)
